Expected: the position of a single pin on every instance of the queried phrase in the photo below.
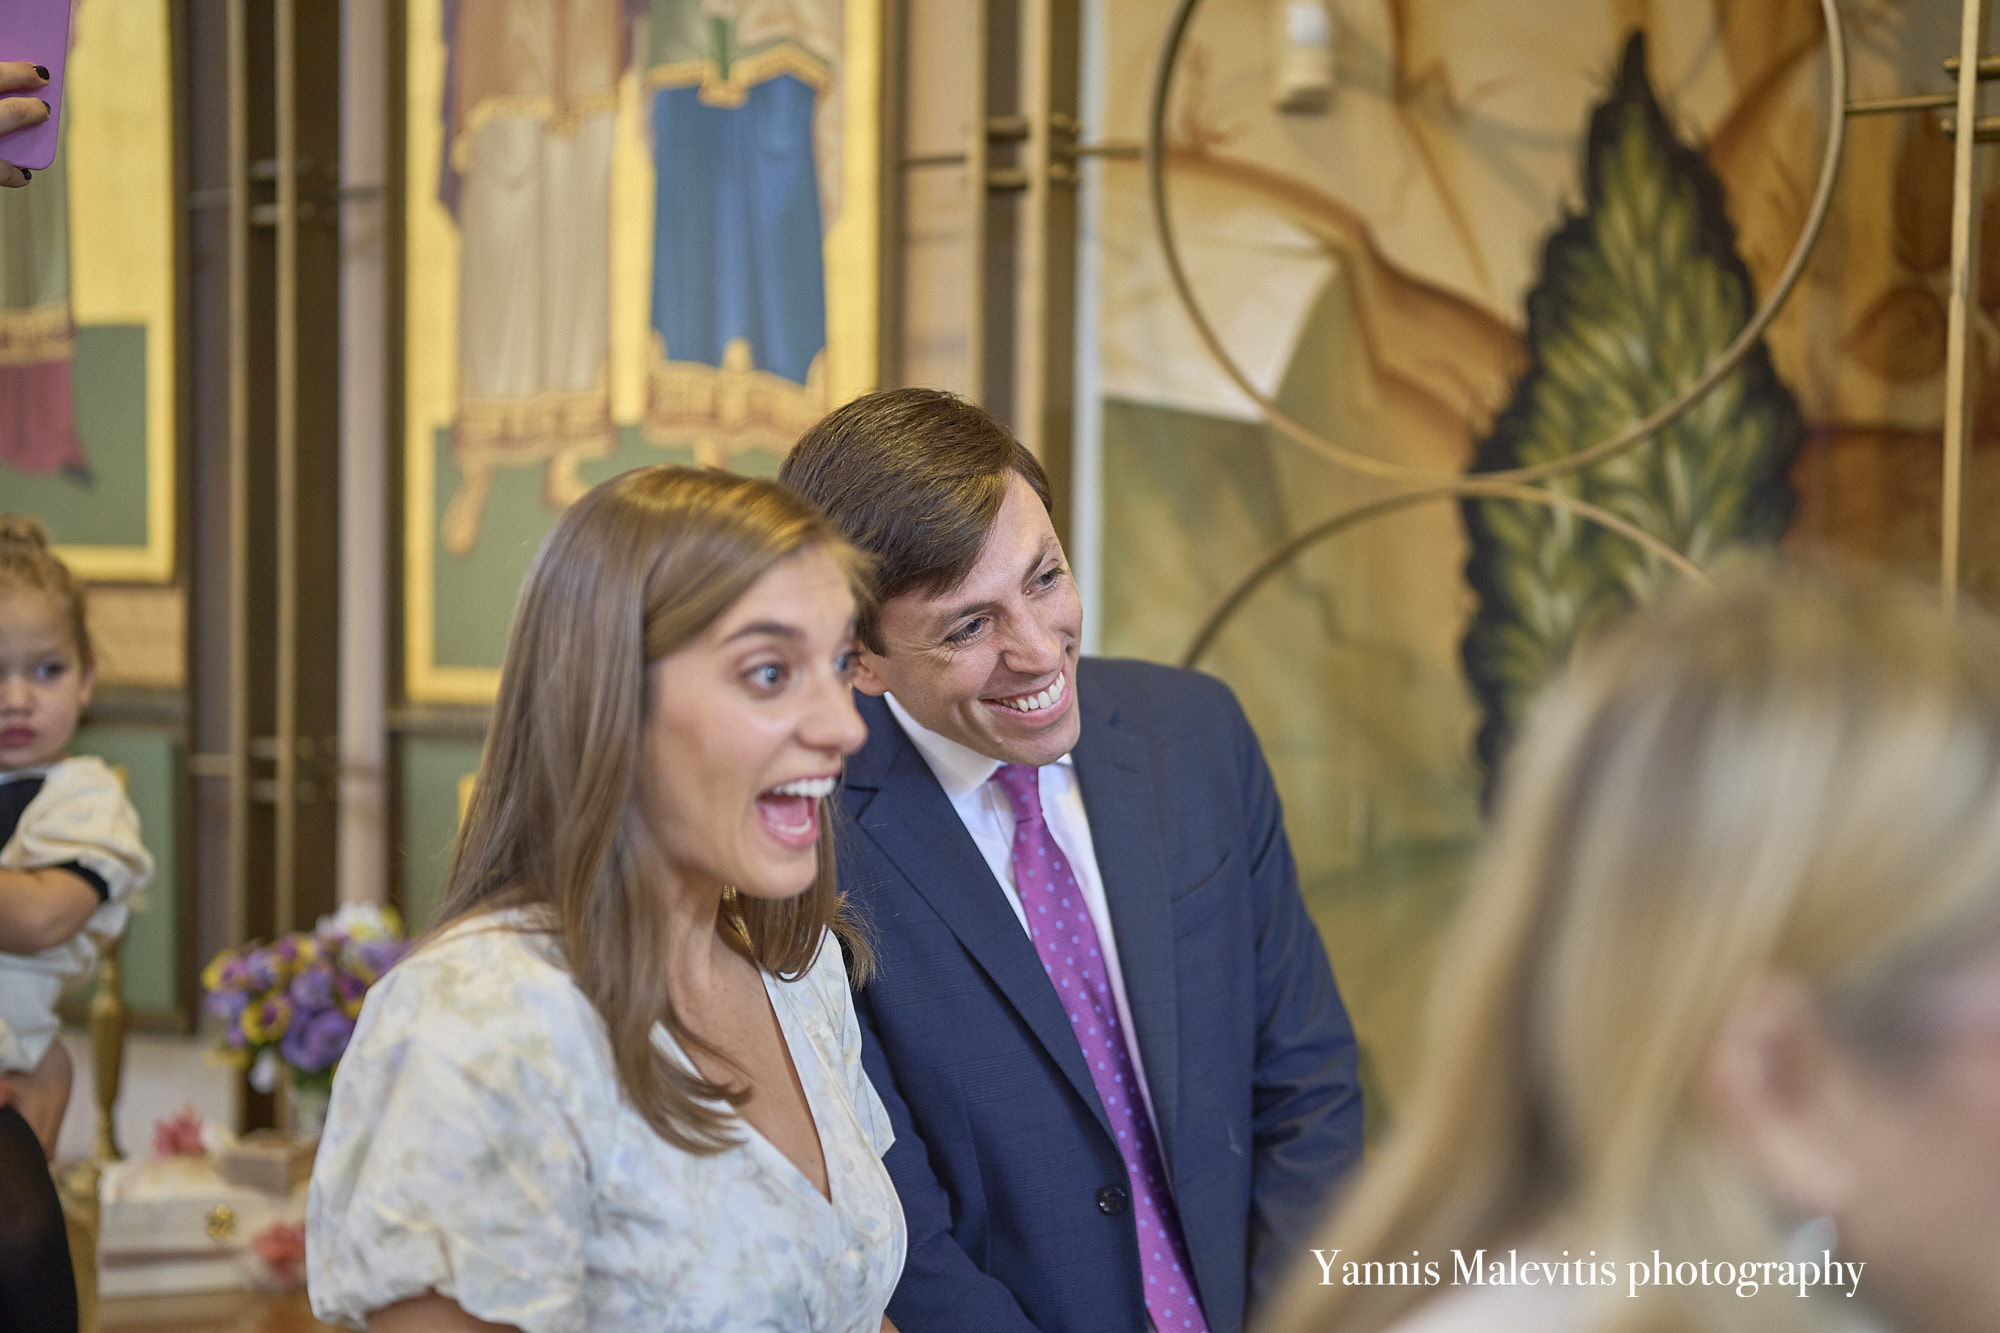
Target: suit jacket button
(1111, 1200)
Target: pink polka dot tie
(1066, 941)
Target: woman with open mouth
(620, 1085)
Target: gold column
(1958, 392)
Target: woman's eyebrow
(770, 627)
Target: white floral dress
(477, 1145)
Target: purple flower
(315, 1044)
(378, 955)
(260, 970)
(227, 1005)
(312, 989)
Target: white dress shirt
(966, 776)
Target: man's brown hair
(915, 478)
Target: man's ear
(868, 676)
(1779, 1091)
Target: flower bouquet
(292, 1003)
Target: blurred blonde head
(1790, 781)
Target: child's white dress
(71, 814)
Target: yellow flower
(292, 955)
(267, 1019)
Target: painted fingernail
(26, 174)
(42, 73)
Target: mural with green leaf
(1638, 293)
(1514, 231)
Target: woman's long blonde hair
(1790, 774)
(633, 571)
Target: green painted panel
(147, 758)
(431, 772)
(109, 389)
(475, 592)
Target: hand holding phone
(20, 112)
(35, 40)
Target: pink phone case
(36, 31)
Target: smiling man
(1121, 1078)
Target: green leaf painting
(1638, 294)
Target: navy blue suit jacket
(1003, 1156)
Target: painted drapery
(742, 97)
(531, 94)
(740, 93)
(37, 330)
(634, 235)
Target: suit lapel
(1118, 798)
(895, 800)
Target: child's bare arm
(41, 1096)
(41, 908)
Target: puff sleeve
(82, 817)
(456, 1154)
(79, 820)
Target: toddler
(70, 861)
